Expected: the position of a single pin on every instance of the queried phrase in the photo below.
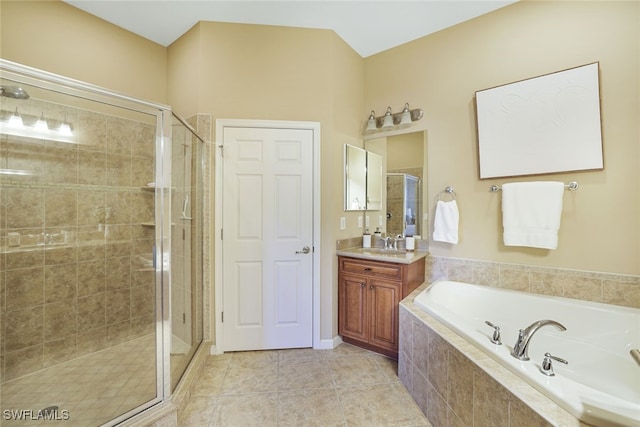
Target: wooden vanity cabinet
(369, 293)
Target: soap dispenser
(366, 239)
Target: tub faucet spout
(521, 348)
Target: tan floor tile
(210, 381)
(380, 405)
(242, 379)
(197, 413)
(305, 374)
(355, 370)
(298, 354)
(309, 408)
(94, 388)
(256, 409)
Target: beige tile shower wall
(617, 289)
(87, 288)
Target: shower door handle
(304, 250)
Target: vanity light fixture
(391, 121)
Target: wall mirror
(404, 189)
(363, 177)
(355, 178)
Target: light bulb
(65, 129)
(41, 125)
(371, 123)
(387, 123)
(405, 118)
(15, 121)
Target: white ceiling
(367, 26)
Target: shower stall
(403, 204)
(101, 250)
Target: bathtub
(601, 383)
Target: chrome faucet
(521, 348)
(388, 244)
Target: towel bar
(449, 191)
(572, 186)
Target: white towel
(445, 224)
(531, 213)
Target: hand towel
(531, 213)
(445, 224)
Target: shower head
(15, 92)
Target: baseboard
(329, 344)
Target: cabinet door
(384, 298)
(352, 296)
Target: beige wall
(600, 229)
(259, 72)
(279, 73)
(58, 38)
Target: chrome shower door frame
(162, 247)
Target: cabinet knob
(371, 287)
(362, 285)
(367, 269)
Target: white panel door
(267, 224)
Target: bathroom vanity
(371, 284)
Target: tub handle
(547, 364)
(495, 339)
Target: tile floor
(93, 389)
(346, 386)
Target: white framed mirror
(355, 178)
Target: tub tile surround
(456, 384)
(608, 288)
(85, 289)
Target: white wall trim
(272, 124)
(329, 344)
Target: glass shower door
(186, 246)
(79, 318)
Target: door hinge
(221, 234)
(222, 314)
(221, 147)
(184, 318)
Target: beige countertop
(389, 255)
